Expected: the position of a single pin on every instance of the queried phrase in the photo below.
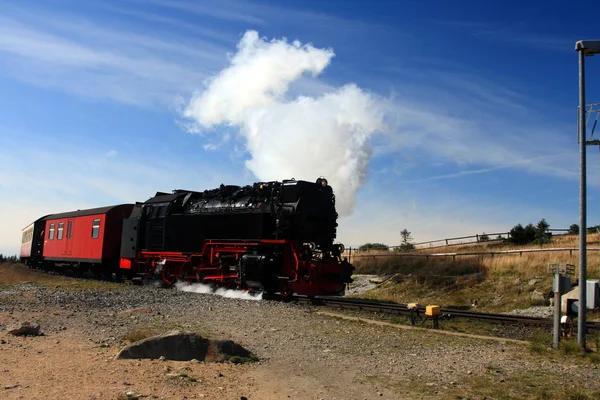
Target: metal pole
(556, 341)
(581, 326)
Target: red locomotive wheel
(168, 275)
(285, 291)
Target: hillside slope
(499, 282)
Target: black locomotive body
(272, 236)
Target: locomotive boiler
(268, 236)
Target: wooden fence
(349, 253)
(477, 238)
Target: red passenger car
(85, 238)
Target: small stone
(220, 375)
(7, 387)
(162, 358)
(2, 341)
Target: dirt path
(305, 354)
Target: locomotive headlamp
(340, 247)
(323, 182)
(310, 245)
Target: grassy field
(498, 282)
(16, 273)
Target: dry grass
(142, 332)
(525, 265)
(498, 282)
(15, 273)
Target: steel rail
(402, 308)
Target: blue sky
(465, 122)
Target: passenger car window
(51, 232)
(69, 229)
(96, 228)
(61, 227)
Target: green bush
(373, 246)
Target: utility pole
(584, 48)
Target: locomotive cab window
(96, 228)
(51, 232)
(61, 227)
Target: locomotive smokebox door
(252, 270)
(129, 239)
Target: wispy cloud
(474, 123)
(177, 23)
(49, 178)
(516, 164)
(528, 39)
(224, 9)
(517, 34)
(86, 59)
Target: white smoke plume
(207, 289)
(303, 138)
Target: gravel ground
(304, 355)
(537, 311)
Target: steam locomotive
(268, 236)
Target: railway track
(402, 309)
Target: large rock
(573, 294)
(538, 295)
(24, 328)
(184, 346)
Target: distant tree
(593, 229)
(530, 232)
(483, 237)
(406, 239)
(573, 229)
(517, 234)
(373, 246)
(522, 235)
(4, 258)
(541, 232)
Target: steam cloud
(304, 138)
(207, 289)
